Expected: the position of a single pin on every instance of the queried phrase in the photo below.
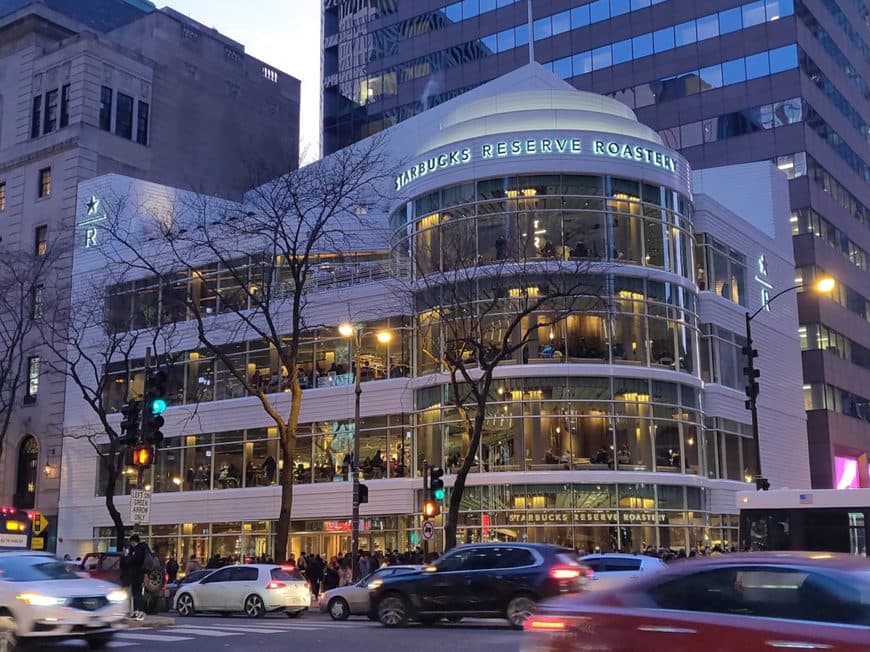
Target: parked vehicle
(497, 580)
(194, 576)
(749, 601)
(107, 566)
(43, 599)
(353, 600)
(254, 589)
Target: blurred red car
(733, 603)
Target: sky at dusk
(284, 34)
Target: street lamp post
(824, 285)
(355, 334)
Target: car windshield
(34, 569)
(194, 576)
(286, 575)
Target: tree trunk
(452, 523)
(110, 503)
(282, 536)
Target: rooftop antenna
(531, 34)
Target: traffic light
(363, 493)
(140, 456)
(762, 484)
(155, 405)
(436, 484)
(130, 422)
(430, 509)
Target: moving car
(254, 589)
(610, 568)
(42, 599)
(487, 580)
(193, 576)
(760, 601)
(350, 600)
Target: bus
(16, 528)
(828, 520)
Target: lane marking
(202, 632)
(152, 637)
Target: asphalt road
(313, 631)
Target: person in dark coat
(314, 573)
(133, 572)
(331, 577)
(172, 568)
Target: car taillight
(565, 573)
(288, 567)
(545, 624)
(276, 585)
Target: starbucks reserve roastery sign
(534, 147)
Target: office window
(44, 182)
(37, 303)
(642, 45)
(41, 240)
(50, 112)
(600, 10)
(106, 108)
(622, 51)
(142, 123)
(753, 13)
(64, 106)
(757, 65)
(32, 379)
(36, 116)
(579, 16)
(686, 33)
(708, 27)
(734, 71)
(2, 195)
(124, 116)
(664, 39)
(730, 21)
(784, 58)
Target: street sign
(140, 507)
(428, 530)
(39, 522)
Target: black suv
(490, 580)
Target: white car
(349, 600)
(620, 565)
(254, 589)
(41, 598)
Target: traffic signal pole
(752, 374)
(141, 425)
(425, 498)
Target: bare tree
(23, 303)
(253, 268)
(87, 340)
(478, 310)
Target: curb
(149, 621)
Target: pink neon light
(846, 469)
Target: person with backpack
(137, 561)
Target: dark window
(64, 106)
(2, 195)
(712, 591)
(36, 116)
(244, 574)
(44, 189)
(28, 463)
(40, 240)
(284, 575)
(106, 108)
(452, 562)
(50, 112)
(37, 304)
(142, 124)
(222, 575)
(124, 116)
(596, 565)
(617, 565)
(482, 559)
(516, 557)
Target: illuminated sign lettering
(534, 147)
(766, 286)
(93, 216)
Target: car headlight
(38, 600)
(375, 584)
(118, 596)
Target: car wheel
(295, 614)
(98, 642)
(8, 639)
(254, 607)
(392, 611)
(519, 609)
(184, 605)
(338, 609)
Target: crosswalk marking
(201, 632)
(163, 638)
(267, 629)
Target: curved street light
(823, 286)
(348, 330)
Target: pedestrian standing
(330, 574)
(133, 572)
(172, 569)
(315, 574)
(192, 565)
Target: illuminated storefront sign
(604, 516)
(537, 146)
(94, 215)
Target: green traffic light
(439, 494)
(158, 406)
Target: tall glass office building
(721, 81)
